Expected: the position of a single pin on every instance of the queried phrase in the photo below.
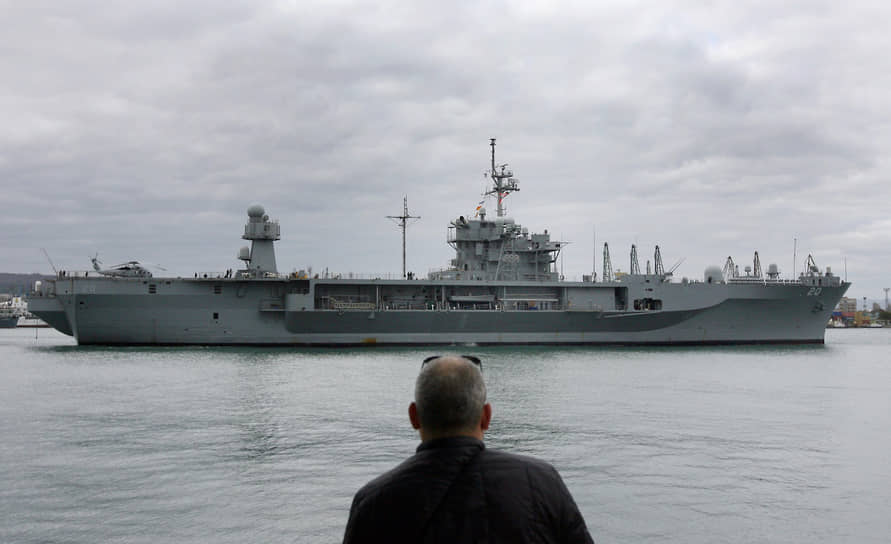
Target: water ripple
(743, 444)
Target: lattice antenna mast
(594, 255)
(503, 179)
(607, 264)
(657, 257)
(757, 271)
(402, 221)
(635, 267)
(729, 268)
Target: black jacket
(454, 490)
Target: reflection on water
(746, 443)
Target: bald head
(450, 399)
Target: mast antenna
(635, 267)
(402, 222)
(504, 181)
(607, 264)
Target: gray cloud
(144, 130)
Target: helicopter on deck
(130, 269)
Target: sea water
(693, 445)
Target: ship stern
(49, 308)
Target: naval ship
(502, 287)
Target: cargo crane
(811, 266)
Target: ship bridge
(498, 248)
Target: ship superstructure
(502, 287)
(498, 249)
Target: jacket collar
(451, 442)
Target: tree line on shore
(19, 284)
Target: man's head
(450, 399)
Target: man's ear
(486, 416)
(413, 416)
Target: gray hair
(449, 395)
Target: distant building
(847, 304)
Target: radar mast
(503, 179)
(402, 222)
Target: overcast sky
(144, 130)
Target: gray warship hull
(502, 287)
(316, 312)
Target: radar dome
(256, 211)
(713, 274)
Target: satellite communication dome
(714, 274)
(256, 211)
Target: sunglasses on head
(469, 358)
